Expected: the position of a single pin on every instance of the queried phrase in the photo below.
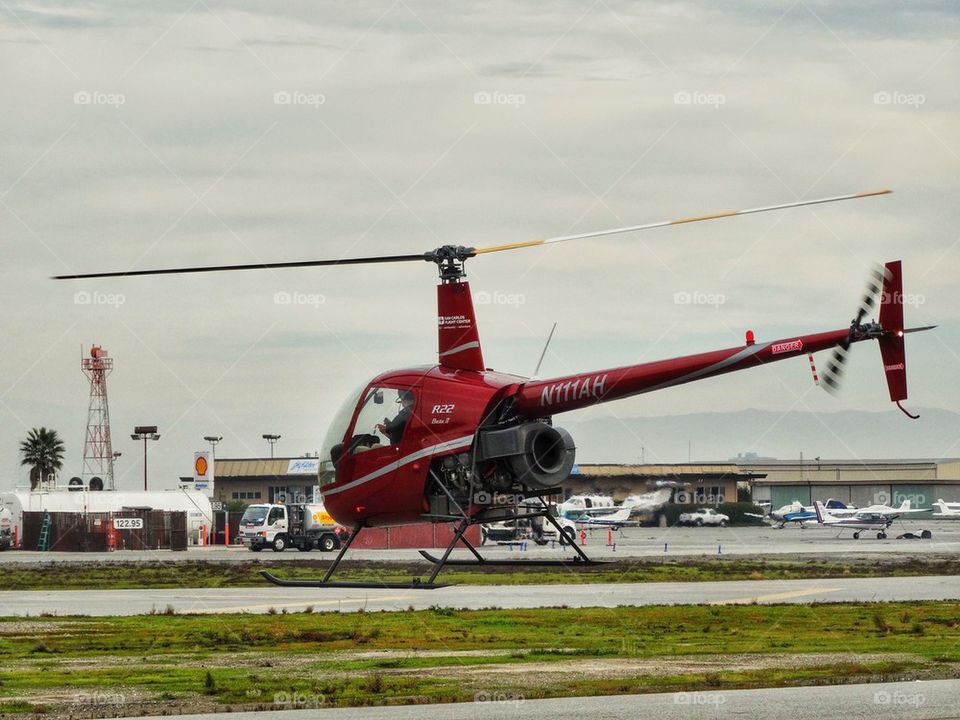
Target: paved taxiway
(630, 542)
(930, 700)
(262, 599)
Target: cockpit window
(383, 418)
(333, 442)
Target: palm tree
(43, 452)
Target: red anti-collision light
(750, 337)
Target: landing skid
(580, 559)
(415, 584)
(513, 563)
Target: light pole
(213, 440)
(145, 432)
(272, 439)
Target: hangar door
(781, 495)
(920, 496)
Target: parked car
(704, 516)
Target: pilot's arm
(393, 429)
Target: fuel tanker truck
(304, 526)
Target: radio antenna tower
(98, 447)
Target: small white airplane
(888, 511)
(857, 523)
(614, 520)
(947, 510)
(797, 512)
(577, 506)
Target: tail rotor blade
(833, 372)
(870, 294)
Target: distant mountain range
(721, 436)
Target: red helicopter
(468, 445)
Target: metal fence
(92, 532)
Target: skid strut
(459, 536)
(414, 584)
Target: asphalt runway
(262, 600)
(630, 542)
(928, 700)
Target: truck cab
(304, 526)
(6, 526)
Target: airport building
(862, 483)
(705, 484)
(266, 480)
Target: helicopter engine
(535, 454)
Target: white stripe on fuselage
(412, 457)
(727, 362)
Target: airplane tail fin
(822, 514)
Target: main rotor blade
(681, 221)
(250, 266)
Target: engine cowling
(538, 455)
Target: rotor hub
(450, 260)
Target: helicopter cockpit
(381, 421)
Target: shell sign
(202, 472)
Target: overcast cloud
(141, 134)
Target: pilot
(393, 429)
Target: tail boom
(572, 392)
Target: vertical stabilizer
(459, 339)
(892, 348)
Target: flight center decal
(453, 321)
(792, 346)
(573, 390)
(441, 413)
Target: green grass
(202, 574)
(314, 659)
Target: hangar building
(863, 482)
(699, 483)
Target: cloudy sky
(143, 134)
